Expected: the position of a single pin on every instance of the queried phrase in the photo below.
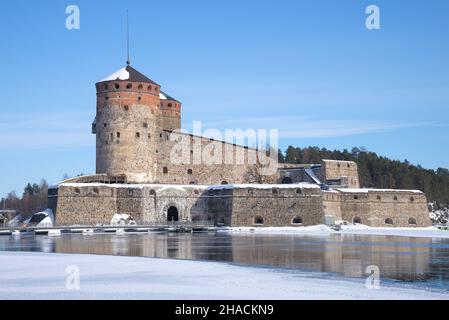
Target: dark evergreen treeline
(380, 172)
(32, 200)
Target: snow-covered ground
(430, 232)
(43, 276)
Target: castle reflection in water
(399, 258)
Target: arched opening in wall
(116, 86)
(357, 220)
(412, 221)
(297, 220)
(190, 171)
(165, 170)
(389, 221)
(129, 86)
(258, 220)
(287, 180)
(412, 199)
(224, 183)
(140, 86)
(172, 214)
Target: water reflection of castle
(397, 258)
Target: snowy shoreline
(43, 276)
(430, 232)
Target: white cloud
(31, 131)
(294, 127)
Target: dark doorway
(172, 214)
(287, 180)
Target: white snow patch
(430, 232)
(37, 276)
(121, 74)
(352, 190)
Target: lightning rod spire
(128, 61)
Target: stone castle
(137, 130)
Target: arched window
(258, 220)
(116, 86)
(379, 198)
(274, 191)
(412, 199)
(356, 197)
(137, 135)
(140, 86)
(170, 105)
(150, 88)
(165, 170)
(298, 191)
(389, 221)
(357, 220)
(297, 220)
(412, 221)
(96, 191)
(129, 86)
(152, 192)
(77, 190)
(126, 108)
(287, 180)
(190, 171)
(118, 134)
(224, 182)
(395, 198)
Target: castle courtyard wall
(238, 205)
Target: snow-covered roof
(164, 96)
(128, 73)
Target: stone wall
(239, 205)
(92, 204)
(378, 208)
(277, 206)
(208, 162)
(333, 171)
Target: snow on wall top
(352, 190)
(204, 187)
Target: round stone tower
(126, 125)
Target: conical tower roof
(129, 74)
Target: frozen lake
(421, 262)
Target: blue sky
(309, 68)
